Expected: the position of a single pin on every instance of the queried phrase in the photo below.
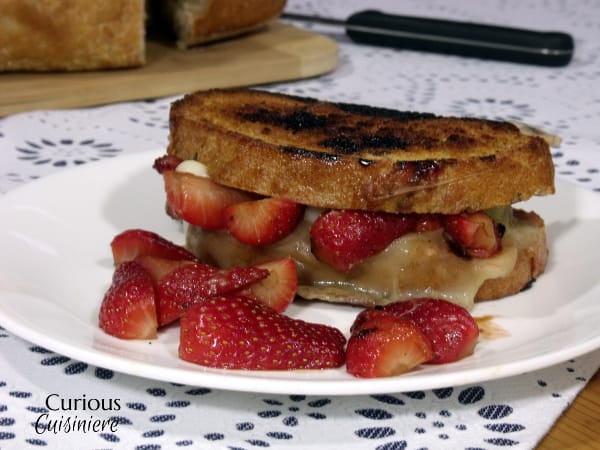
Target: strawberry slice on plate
(344, 238)
(264, 221)
(181, 284)
(129, 244)
(236, 332)
(383, 345)
(128, 310)
(452, 330)
(199, 200)
(279, 288)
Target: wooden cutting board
(277, 53)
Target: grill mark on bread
(375, 143)
(374, 111)
(342, 144)
(420, 171)
(298, 152)
(295, 120)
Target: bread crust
(347, 156)
(58, 35)
(531, 262)
(201, 21)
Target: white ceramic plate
(56, 265)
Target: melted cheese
(193, 167)
(415, 265)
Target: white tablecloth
(515, 412)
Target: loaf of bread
(72, 35)
(200, 21)
(67, 35)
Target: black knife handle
(461, 38)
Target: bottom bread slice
(531, 260)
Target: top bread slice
(346, 156)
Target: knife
(452, 37)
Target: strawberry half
(384, 345)
(262, 222)
(452, 330)
(130, 244)
(279, 288)
(190, 283)
(240, 333)
(475, 234)
(128, 309)
(344, 238)
(199, 200)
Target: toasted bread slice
(345, 156)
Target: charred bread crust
(531, 263)
(344, 156)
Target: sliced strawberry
(344, 238)
(452, 330)
(128, 309)
(264, 221)
(279, 288)
(130, 244)
(159, 267)
(199, 200)
(384, 345)
(192, 283)
(475, 235)
(166, 163)
(240, 333)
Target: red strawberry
(191, 283)
(199, 200)
(130, 244)
(384, 345)
(159, 267)
(279, 288)
(264, 221)
(166, 163)
(240, 333)
(128, 309)
(475, 235)
(343, 238)
(451, 329)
